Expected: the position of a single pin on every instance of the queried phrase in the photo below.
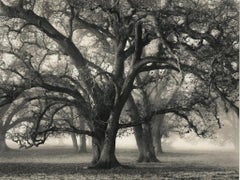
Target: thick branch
(42, 24)
(66, 43)
(73, 130)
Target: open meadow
(62, 163)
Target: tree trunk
(145, 146)
(102, 115)
(157, 129)
(134, 114)
(82, 139)
(97, 145)
(158, 147)
(139, 141)
(3, 145)
(107, 158)
(82, 144)
(149, 153)
(142, 134)
(74, 140)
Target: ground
(63, 163)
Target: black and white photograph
(119, 89)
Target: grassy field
(63, 163)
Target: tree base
(147, 159)
(82, 151)
(4, 148)
(105, 165)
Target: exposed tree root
(82, 151)
(143, 158)
(105, 165)
(140, 158)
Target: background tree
(185, 101)
(198, 31)
(79, 141)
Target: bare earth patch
(63, 163)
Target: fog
(189, 142)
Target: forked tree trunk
(74, 141)
(142, 135)
(144, 141)
(100, 131)
(107, 158)
(97, 145)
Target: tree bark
(158, 147)
(82, 139)
(133, 113)
(3, 145)
(82, 144)
(149, 153)
(139, 141)
(107, 157)
(97, 145)
(74, 140)
(142, 134)
(157, 128)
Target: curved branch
(75, 130)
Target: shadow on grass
(79, 168)
(62, 162)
